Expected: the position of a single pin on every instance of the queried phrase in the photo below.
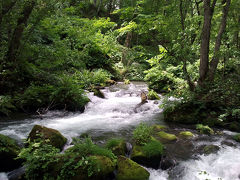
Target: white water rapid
(117, 116)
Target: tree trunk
(215, 59)
(18, 32)
(125, 51)
(205, 40)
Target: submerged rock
(8, 152)
(186, 134)
(204, 129)
(167, 163)
(166, 136)
(17, 174)
(98, 93)
(52, 136)
(130, 170)
(210, 149)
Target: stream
(117, 116)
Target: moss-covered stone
(166, 136)
(186, 134)
(110, 82)
(129, 170)
(98, 93)
(53, 137)
(103, 168)
(237, 137)
(209, 149)
(204, 129)
(152, 95)
(148, 155)
(8, 152)
(157, 127)
(126, 81)
(117, 146)
(234, 126)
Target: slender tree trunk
(205, 40)
(18, 32)
(215, 59)
(125, 51)
(187, 77)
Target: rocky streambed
(188, 153)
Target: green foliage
(86, 147)
(126, 81)
(142, 134)
(153, 148)
(113, 143)
(6, 105)
(152, 95)
(38, 157)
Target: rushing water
(117, 116)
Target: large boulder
(8, 152)
(148, 155)
(129, 170)
(51, 136)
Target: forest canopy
(52, 51)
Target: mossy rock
(166, 136)
(110, 82)
(126, 81)
(237, 137)
(53, 137)
(130, 170)
(204, 129)
(98, 93)
(104, 168)
(234, 126)
(152, 95)
(8, 152)
(210, 149)
(157, 127)
(186, 134)
(148, 155)
(117, 146)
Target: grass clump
(142, 134)
(152, 95)
(153, 148)
(113, 142)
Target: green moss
(142, 134)
(126, 81)
(186, 134)
(8, 152)
(117, 146)
(153, 148)
(129, 170)
(152, 95)
(166, 136)
(51, 136)
(148, 155)
(157, 127)
(204, 129)
(237, 137)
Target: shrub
(142, 134)
(6, 105)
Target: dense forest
(53, 52)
